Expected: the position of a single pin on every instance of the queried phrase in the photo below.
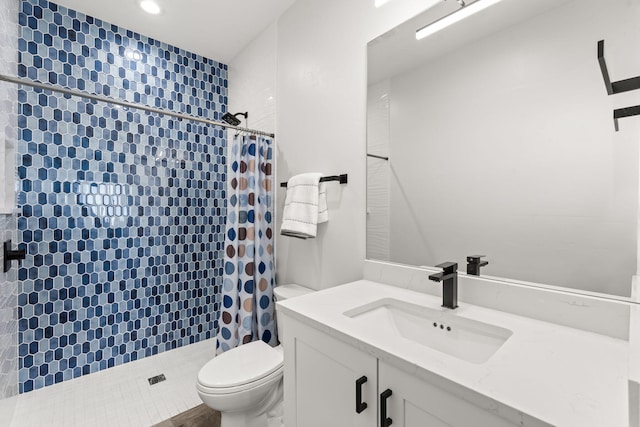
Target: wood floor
(200, 416)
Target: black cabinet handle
(360, 405)
(384, 421)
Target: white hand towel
(305, 206)
(323, 211)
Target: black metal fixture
(10, 255)
(157, 379)
(620, 86)
(474, 263)
(360, 405)
(232, 119)
(449, 279)
(384, 420)
(341, 178)
(377, 156)
(619, 113)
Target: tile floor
(119, 397)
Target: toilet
(245, 383)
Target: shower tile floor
(119, 396)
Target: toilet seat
(246, 367)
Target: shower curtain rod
(53, 88)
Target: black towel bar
(342, 178)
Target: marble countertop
(555, 374)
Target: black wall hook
(10, 255)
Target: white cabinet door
(415, 402)
(320, 379)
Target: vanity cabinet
(321, 389)
(321, 377)
(415, 402)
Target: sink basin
(439, 330)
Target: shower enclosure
(121, 208)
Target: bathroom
(302, 70)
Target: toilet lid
(241, 365)
(283, 292)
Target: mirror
(500, 141)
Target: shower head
(232, 119)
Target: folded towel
(305, 206)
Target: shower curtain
(247, 306)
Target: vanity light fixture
(465, 11)
(150, 6)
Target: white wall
(321, 106)
(378, 197)
(506, 147)
(252, 81)
(321, 125)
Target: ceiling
(216, 29)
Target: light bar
(452, 18)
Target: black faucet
(449, 279)
(474, 263)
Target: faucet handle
(474, 262)
(448, 267)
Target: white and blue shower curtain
(247, 306)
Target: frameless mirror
(495, 136)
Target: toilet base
(272, 418)
(275, 417)
(267, 413)
(242, 419)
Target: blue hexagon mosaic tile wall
(122, 211)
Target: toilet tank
(283, 292)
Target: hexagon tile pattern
(123, 211)
(8, 133)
